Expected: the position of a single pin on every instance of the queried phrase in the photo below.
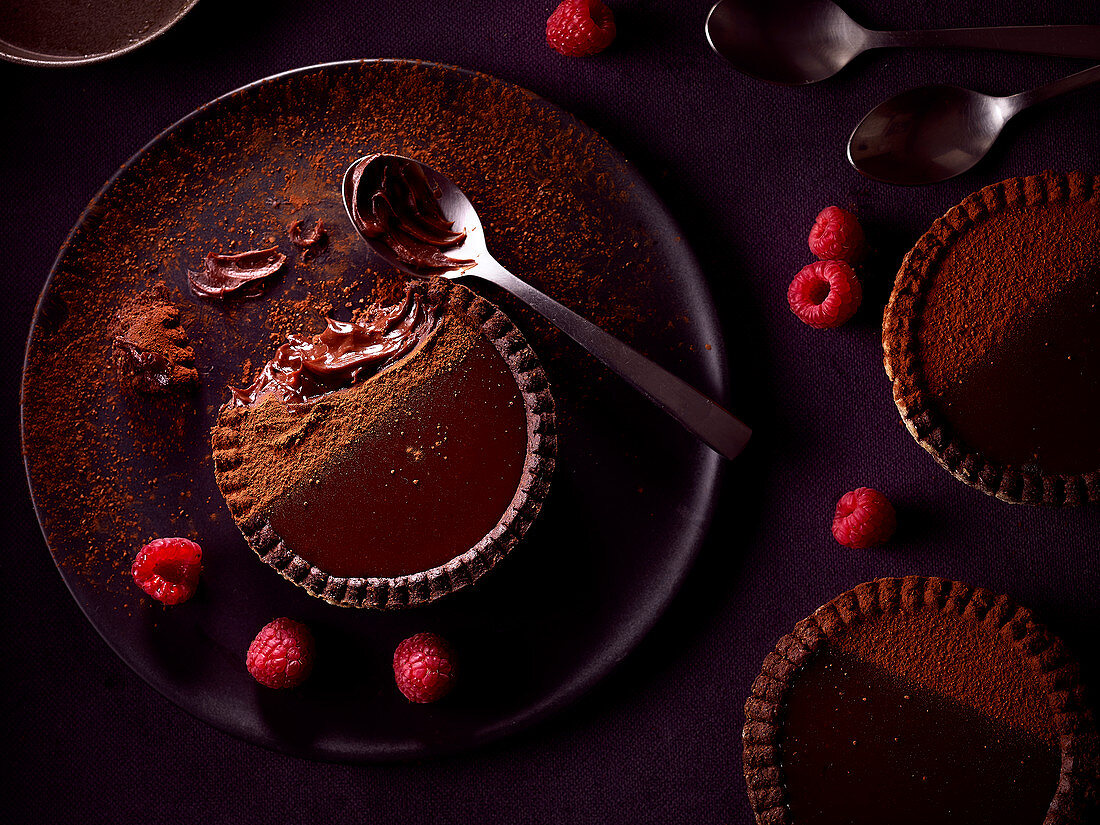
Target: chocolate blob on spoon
(397, 206)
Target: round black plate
(633, 494)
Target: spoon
(793, 42)
(933, 133)
(710, 422)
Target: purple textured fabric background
(744, 167)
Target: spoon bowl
(790, 42)
(454, 204)
(927, 135)
(933, 133)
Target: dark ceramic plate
(633, 494)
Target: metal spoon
(712, 424)
(793, 42)
(933, 133)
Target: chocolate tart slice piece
(388, 463)
(917, 700)
(992, 340)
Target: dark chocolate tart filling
(389, 463)
(992, 340)
(919, 700)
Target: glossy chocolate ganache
(863, 746)
(397, 206)
(346, 353)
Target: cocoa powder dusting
(151, 351)
(957, 658)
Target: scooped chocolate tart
(917, 700)
(992, 340)
(393, 459)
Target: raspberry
(825, 294)
(579, 28)
(168, 569)
(423, 666)
(864, 518)
(281, 655)
(837, 236)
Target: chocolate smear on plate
(149, 347)
(242, 275)
(310, 240)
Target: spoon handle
(1021, 101)
(1057, 41)
(710, 422)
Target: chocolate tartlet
(390, 461)
(992, 340)
(918, 700)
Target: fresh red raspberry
(424, 667)
(825, 294)
(837, 236)
(281, 655)
(864, 518)
(168, 569)
(579, 28)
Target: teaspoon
(710, 422)
(933, 133)
(793, 42)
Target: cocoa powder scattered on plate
(151, 351)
